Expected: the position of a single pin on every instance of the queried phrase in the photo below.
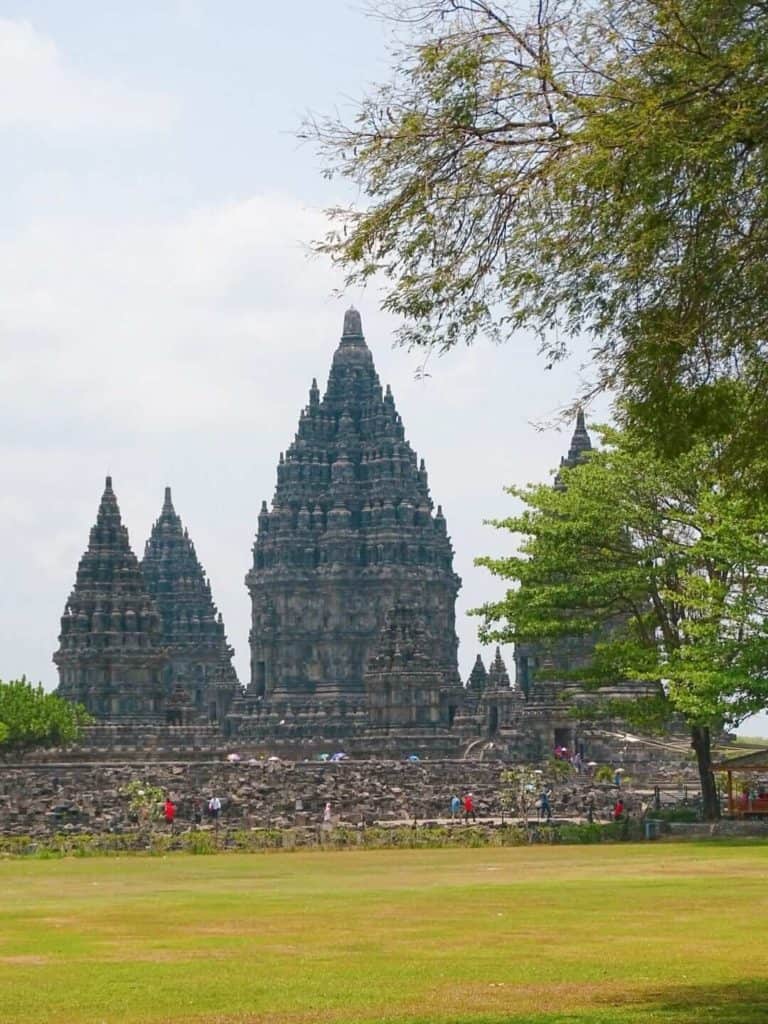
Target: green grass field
(629, 933)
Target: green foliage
(521, 788)
(570, 167)
(604, 773)
(677, 814)
(30, 718)
(662, 564)
(557, 770)
(145, 800)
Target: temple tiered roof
(111, 651)
(498, 677)
(192, 629)
(350, 468)
(478, 677)
(352, 508)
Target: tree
(585, 166)
(145, 801)
(522, 787)
(664, 566)
(31, 718)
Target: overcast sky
(160, 319)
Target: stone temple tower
(351, 535)
(199, 670)
(564, 654)
(111, 656)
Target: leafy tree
(145, 800)
(575, 166)
(665, 566)
(523, 785)
(31, 718)
(520, 789)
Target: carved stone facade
(199, 673)
(353, 641)
(111, 656)
(350, 536)
(406, 685)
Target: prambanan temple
(353, 641)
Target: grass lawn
(584, 935)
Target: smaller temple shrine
(199, 674)
(111, 656)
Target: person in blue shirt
(455, 806)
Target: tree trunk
(702, 744)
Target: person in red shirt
(169, 811)
(618, 810)
(469, 808)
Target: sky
(161, 318)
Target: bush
(199, 842)
(684, 814)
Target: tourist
(545, 807)
(618, 810)
(469, 808)
(617, 777)
(327, 814)
(169, 812)
(214, 809)
(197, 811)
(455, 806)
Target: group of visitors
(463, 805)
(575, 759)
(213, 808)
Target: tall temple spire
(192, 628)
(168, 509)
(498, 677)
(580, 444)
(351, 534)
(353, 327)
(110, 654)
(478, 677)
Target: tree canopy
(593, 167)
(659, 562)
(31, 718)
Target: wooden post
(730, 794)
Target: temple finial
(167, 502)
(353, 325)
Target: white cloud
(181, 315)
(181, 352)
(39, 89)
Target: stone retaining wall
(38, 799)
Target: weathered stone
(110, 655)
(199, 672)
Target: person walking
(469, 808)
(545, 807)
(214, 809)
(455, 807)
(327, 814)
(169, 812)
